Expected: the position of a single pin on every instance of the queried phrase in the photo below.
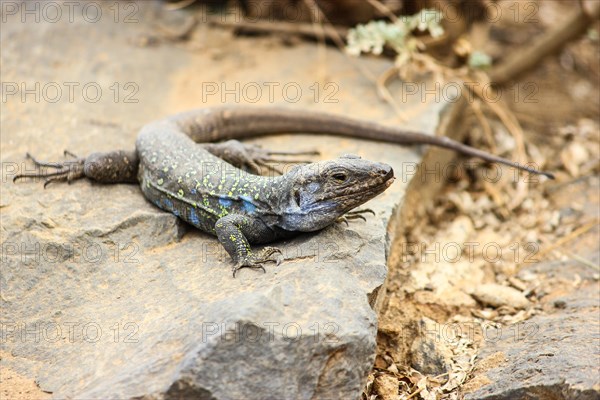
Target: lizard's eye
(340, 176)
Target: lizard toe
(355, 214)
(60, 171)
(237, 267)
(256, 260)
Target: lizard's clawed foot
(256, 261)
(355, 214)
(254, 158)
(64, 171)
(257, 158)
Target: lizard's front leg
(251, 157)
(233, 231)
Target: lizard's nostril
(384, 170)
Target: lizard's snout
(385, 171)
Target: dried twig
(385, 94)
(382, 8)
(583, 260)
(500, 109)
(520, 61)
(183, 34)
(331, 32)
(497, 197)
(485, 125)
(416, 392)
(179, 5)
(576, 233)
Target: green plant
(374, 35)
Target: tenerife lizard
(185, 167)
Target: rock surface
(105, 296)
(555, 354)
(430, 351)
(551, 356)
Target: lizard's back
(180, 176)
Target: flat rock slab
(105, 296)
(555, 354)
(552, 356)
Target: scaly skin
(182, 172)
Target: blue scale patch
(249, 207)
(168, 204)
(194, 218)
(313, 187)
(193, 191)
(225, 202)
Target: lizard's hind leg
(111, 167)
(254, 158)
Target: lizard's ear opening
(297, 197)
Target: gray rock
(553, 356)
(105, 296)
(430, 353)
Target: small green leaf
(479, 60)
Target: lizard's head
(316, 194)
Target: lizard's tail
(223, 123)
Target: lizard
(192, 165)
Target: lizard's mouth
(389, 181)
(386, 182)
